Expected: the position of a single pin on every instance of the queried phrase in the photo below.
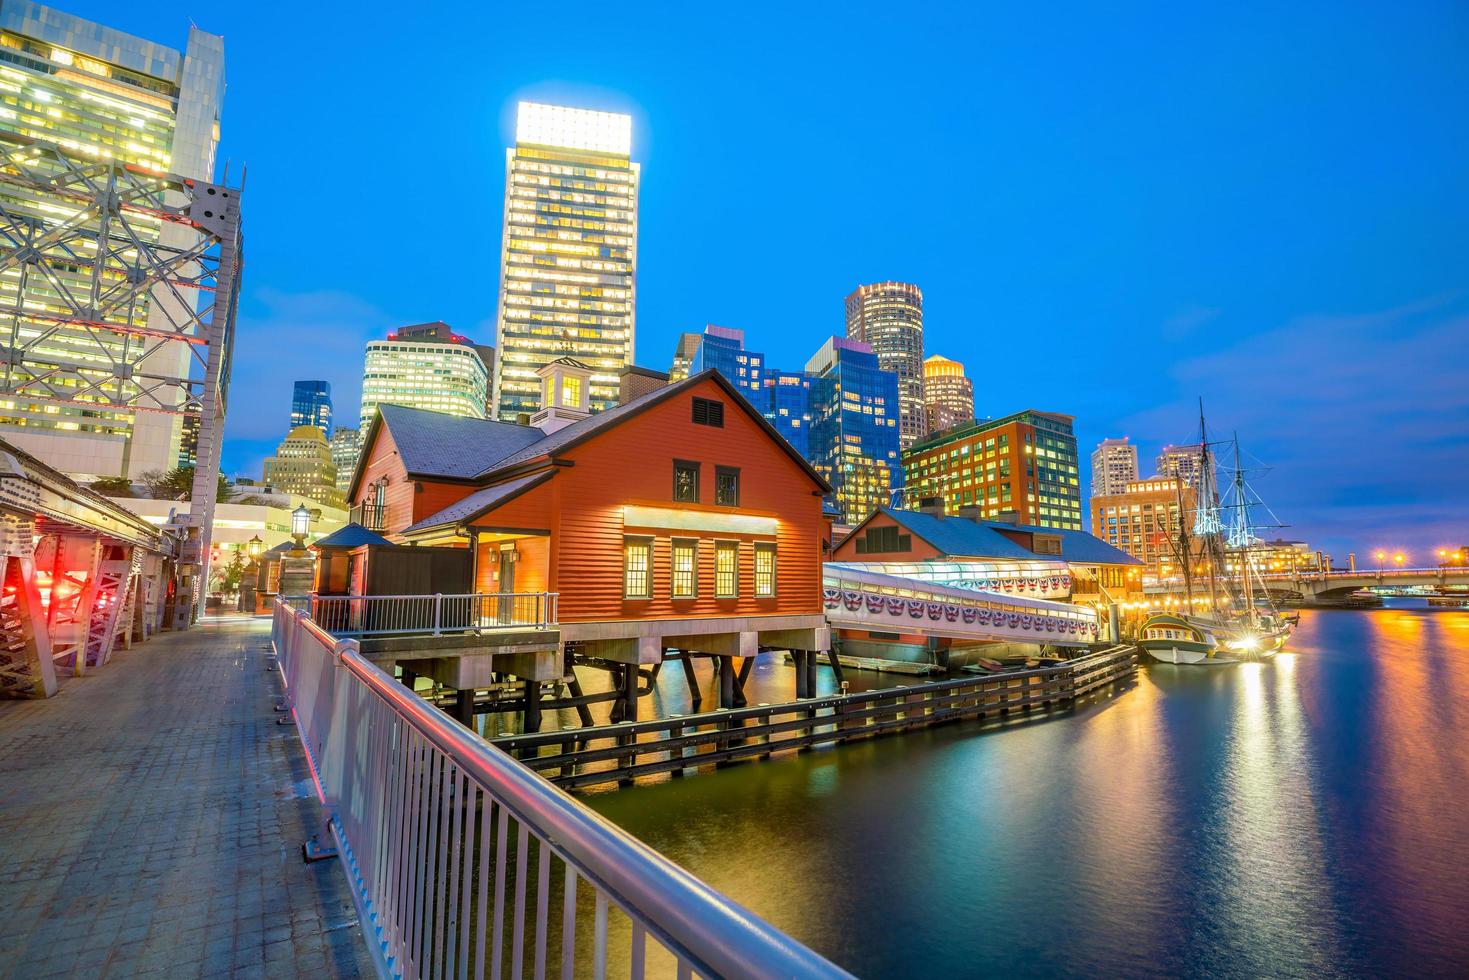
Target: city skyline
(1285, 287)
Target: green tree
(113, 486)
(233, 573)
(178, 484)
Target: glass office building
(722, 349)
(569, 258)
(99, 94)
(854, 426)
(889, 316)
(425, 366)
(311, 404)
(786, 403)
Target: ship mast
(1240, 533)
(1206, 510)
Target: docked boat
(1174, 639)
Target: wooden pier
(579, 757)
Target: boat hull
(1180, 652)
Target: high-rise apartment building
(683, 356)
(948, 396)
(853, 440)
(1024, 463)
(100, 94)
(1180, 462)
(345, 442)
(568, 264)
(302, 467)
(889, 317)
(1143, 518)
(427, 365)
(1114, 466)
(311, 404)
(723, 349)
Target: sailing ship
(1227, 633)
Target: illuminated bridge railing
(388, 615)
(863, 599)
(465, 863)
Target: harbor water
(1302, 817)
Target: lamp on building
(253, 546)
(300, 525)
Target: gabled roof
(983, 539)
(350, 536)
(451, 447)
(578, 432)
(480, 501)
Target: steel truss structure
(132, 262)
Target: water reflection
(1302, 817)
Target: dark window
(708, 412)
(882, 540)
(727, 486)
(685, 481)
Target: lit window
(685, 565)
(765, 570)
(571, 392)
(637, 562)
(726, 569)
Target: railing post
(438, 612)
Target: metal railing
(378, 615)
(369, 515)
(464, 863)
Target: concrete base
(643, 641)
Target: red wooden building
(680, 520)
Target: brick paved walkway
(151, 818)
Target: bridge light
(1399, 558)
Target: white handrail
(426, 813)
(377, 615)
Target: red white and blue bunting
(921, 609)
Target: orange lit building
(678, 520)
(1023, 463)
(1145, 519)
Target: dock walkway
(151, 818)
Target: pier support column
(798, 657)
(464, 707)
(532, 706)
(726, 681)
(629, 692)
(810, 673)
(695, 698)
(747, 667)
(409, 678)
(836, 665)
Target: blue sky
(1110, 212)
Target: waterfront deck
(151, 817)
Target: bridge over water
(1333, 588)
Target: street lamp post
(300, 525)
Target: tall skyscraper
(889, 316)
(345, 442)
(948, 396)
(311, 404)
(854, 426)
(101, 94)
(723, 349)
(302, 467)
(1024, 463)
(426, 365)
(683, 356)
(1114, 466)
(568, 266)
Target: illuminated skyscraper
(302, 467)
(568, 266)
(948, 396)
(311, 404)
(1114, 466)
(889, 316)
(723, 349)
(344, 445)
(683, 356)
(428, 366)
(100, 94)
(853, 439)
